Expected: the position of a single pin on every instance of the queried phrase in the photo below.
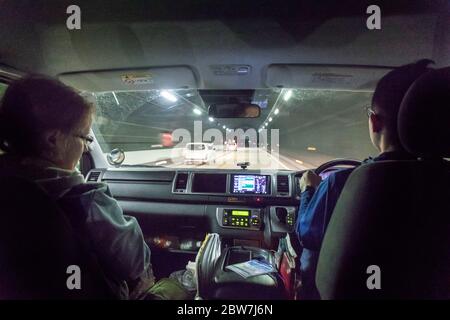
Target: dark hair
(35, 104)
(390, 91)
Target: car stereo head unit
(250, 184)
(248, 218)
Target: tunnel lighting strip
(201, 109)
(274, 107)
(168, 96)
(115, 97)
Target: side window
(3, 87)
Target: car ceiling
(201, 34)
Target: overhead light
(197, 111)
(168, 96)
(299, 161)
(287, 95)
(161, 163)
(259, 130)
(115, 97)
(211, 119)
(270, 119)
(311, 148)
(276, 111)
(224, 127)
(266, 124)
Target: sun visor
(132, 79)
(333, 77)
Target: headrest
(424, 116)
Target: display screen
(247, 183)
(240, 213)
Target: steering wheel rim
(335, 162)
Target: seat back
(389, 235)
(37, 245)
(394, 215)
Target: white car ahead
(199, 152)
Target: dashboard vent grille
(283, 185)
(181, 182)
(93, 176)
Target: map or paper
(251, 268)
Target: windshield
(297, 129)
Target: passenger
(318, 198)
(44, 130)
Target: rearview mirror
(234, 110)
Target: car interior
(174, 82)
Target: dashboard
(244, 207)
(242, 184)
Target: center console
(225, 284)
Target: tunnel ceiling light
(266, 124)
(270, 119)
(311, 148)
(161, 163)
(287, 95)
(224, 127)
(168, 96)
(211, 119)
(197, 111)
(276, 111)
(115, 97)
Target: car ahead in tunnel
(231, 145)
(223, 189)
(199, 152)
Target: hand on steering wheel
(311, 178)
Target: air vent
(283, 185)
(93, 176)
(181, 182)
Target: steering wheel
(330, 164)
(336, 162)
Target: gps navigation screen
(250, 184)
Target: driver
(318, 198)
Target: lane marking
(272, 157)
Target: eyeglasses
(88, 140)
(369, 111)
